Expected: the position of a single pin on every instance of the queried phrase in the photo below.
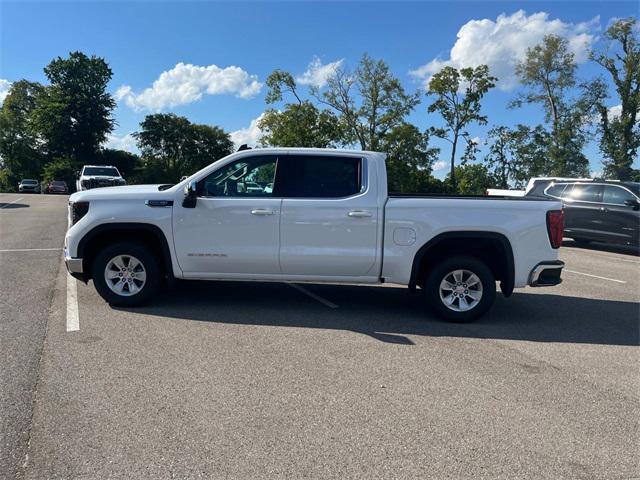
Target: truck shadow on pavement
(393, 314)
(9, 206)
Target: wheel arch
(491, 247)
(109, 233)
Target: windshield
(29, 182)
(101, 171)
(58, 183)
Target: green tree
(409, 158)
(473, 179)
(298, 124)
(127, 163)
(22, 149)
(369, 102)
(172, 146)
(73, 114)
(60, 169)
(620, 134)
(458, 99)
(549, 74)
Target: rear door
(583, 214)
(620, 222)
(329, 218)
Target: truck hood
(100, 177)
(121, 193)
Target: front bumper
(74, 265)
(546, 274)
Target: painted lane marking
(9, 250)
(73, 320)
(318, 298)
(6, 205)
(595, 276)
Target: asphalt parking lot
(269, 380)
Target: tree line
(50, 131)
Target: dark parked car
(596, 210)
(57, 186)
(29, 186)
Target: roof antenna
(243, 147)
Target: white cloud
(186, 83)
(502, 43)
(5, 85)
(250, 135)
(440, 165)
(122, 142)
(614, 112)
(317, 73)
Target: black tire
(144, 256)
(442, 270)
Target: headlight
(78, 210)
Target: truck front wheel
(460, 289)
(126, 274)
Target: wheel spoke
(112, 274)
(118, 262)
(473, 280)
(449, 299)
(133, 263)
(457, 275)
(141, 275)
(447, 285)
(118, 286)
(462, 302)
(474, 294)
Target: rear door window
(321, 176)
(586, 193)
(616, 195)
(556, 190)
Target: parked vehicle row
(327, 216)
(596, 210)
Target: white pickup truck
(311, 215)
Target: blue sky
(143, 39)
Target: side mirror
(632, 203)
(190, 195)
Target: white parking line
(16, 200)
(73, 321)
(318, 298)
(595, 276)
(9, 250)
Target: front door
(234, 227)
(621, 220)
(329, 223)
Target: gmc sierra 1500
(311, 215)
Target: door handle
(261, 211)
(359, 214)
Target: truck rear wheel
(126, 274)
(460, 289)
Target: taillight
(555, 227)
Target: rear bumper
(546, 274)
